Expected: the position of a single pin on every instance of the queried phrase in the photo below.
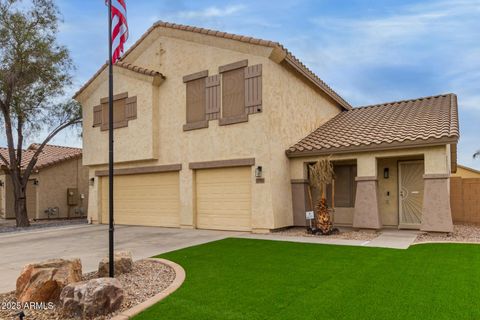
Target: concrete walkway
(90, 244)
(393, 239)
(318, 240)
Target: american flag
(119, 27)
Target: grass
(259, 279)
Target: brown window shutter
(131, 108)
(213, 97)
(97, 116)
(253, 89)
(196, 96)
(104, 125)
(196, 100)
(233, 93)
(119, 115)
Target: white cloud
(210, 12)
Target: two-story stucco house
(215, 131)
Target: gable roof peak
(288, 57)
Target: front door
(410, 194)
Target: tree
(34, 72)
(321, 174)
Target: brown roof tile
(290, 58)
(50, 155)
(427, 120)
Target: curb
(177, 282)
(445, 241)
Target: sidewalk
(394, 239)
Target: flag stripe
(119, 28)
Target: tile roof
(49, 156)
(121, 64)
(289, 57)
(427, 120)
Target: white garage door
(224, 198)
(144, 199)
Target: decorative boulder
(44, 281)
(92, 298)
(122, 261)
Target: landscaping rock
(123, 263)
(44, 281)
(92, 298)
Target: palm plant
(321, 174)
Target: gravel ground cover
(461, 233)
(347, 234)
(146, 280)
(9, 225)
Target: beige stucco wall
(3, 202)
(291, 109)
(8, 197)
(371, 164)
(95, 141)
(296, 110)
(53, 183)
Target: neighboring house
(212, 131)
(57, 188)
(465, 172)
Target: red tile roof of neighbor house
(289, 57)
(49, 156)
(398, 124)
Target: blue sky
(368, 51)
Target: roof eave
(374, 147)
(157, 77)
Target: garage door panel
(144, 199)
(224, 198)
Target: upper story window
(234, 94)
(124, 110)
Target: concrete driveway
(90, 244)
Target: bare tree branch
(34, 159)
(4, 160)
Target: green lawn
(258, 279)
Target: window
(233, 93)
(124, 110)
(345, 187)
(196, 100)
(237, 90)
(241, 91)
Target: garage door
(224, 198)
(144, 199)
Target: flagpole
(111, 270)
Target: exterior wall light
(35, 182)
(258, 172)
(386, 173)
(1, 183)
(92, 181)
